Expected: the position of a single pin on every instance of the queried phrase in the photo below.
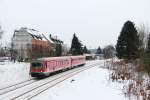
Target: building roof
(36, 34)
(47, 37)
(55, 40)
(39, 36)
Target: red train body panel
(77, 60)
(45, 66)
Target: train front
(36, 68)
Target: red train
(46, 66)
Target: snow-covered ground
(11, 73)
(92, 84)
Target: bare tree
(1, 48)
(109, 51)
(1, 32)
(65, 50)
(143, 31)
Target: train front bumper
(39, 74)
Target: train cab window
(36, 64)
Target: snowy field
(11, 73)
(92, 84)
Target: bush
(147, 64)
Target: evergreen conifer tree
(85, 50)
(148, 46)
(76, 46)
(127, 46)
(58, 49)
(99, 50)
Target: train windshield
(36, 64)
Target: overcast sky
(95, 22)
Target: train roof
(77, 56)
(53, 58)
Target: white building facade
(25, 39)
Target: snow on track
(13, 73)
(15, 86)
(50, 84)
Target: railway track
(16, 86)
(28, 90)
(9, 88)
